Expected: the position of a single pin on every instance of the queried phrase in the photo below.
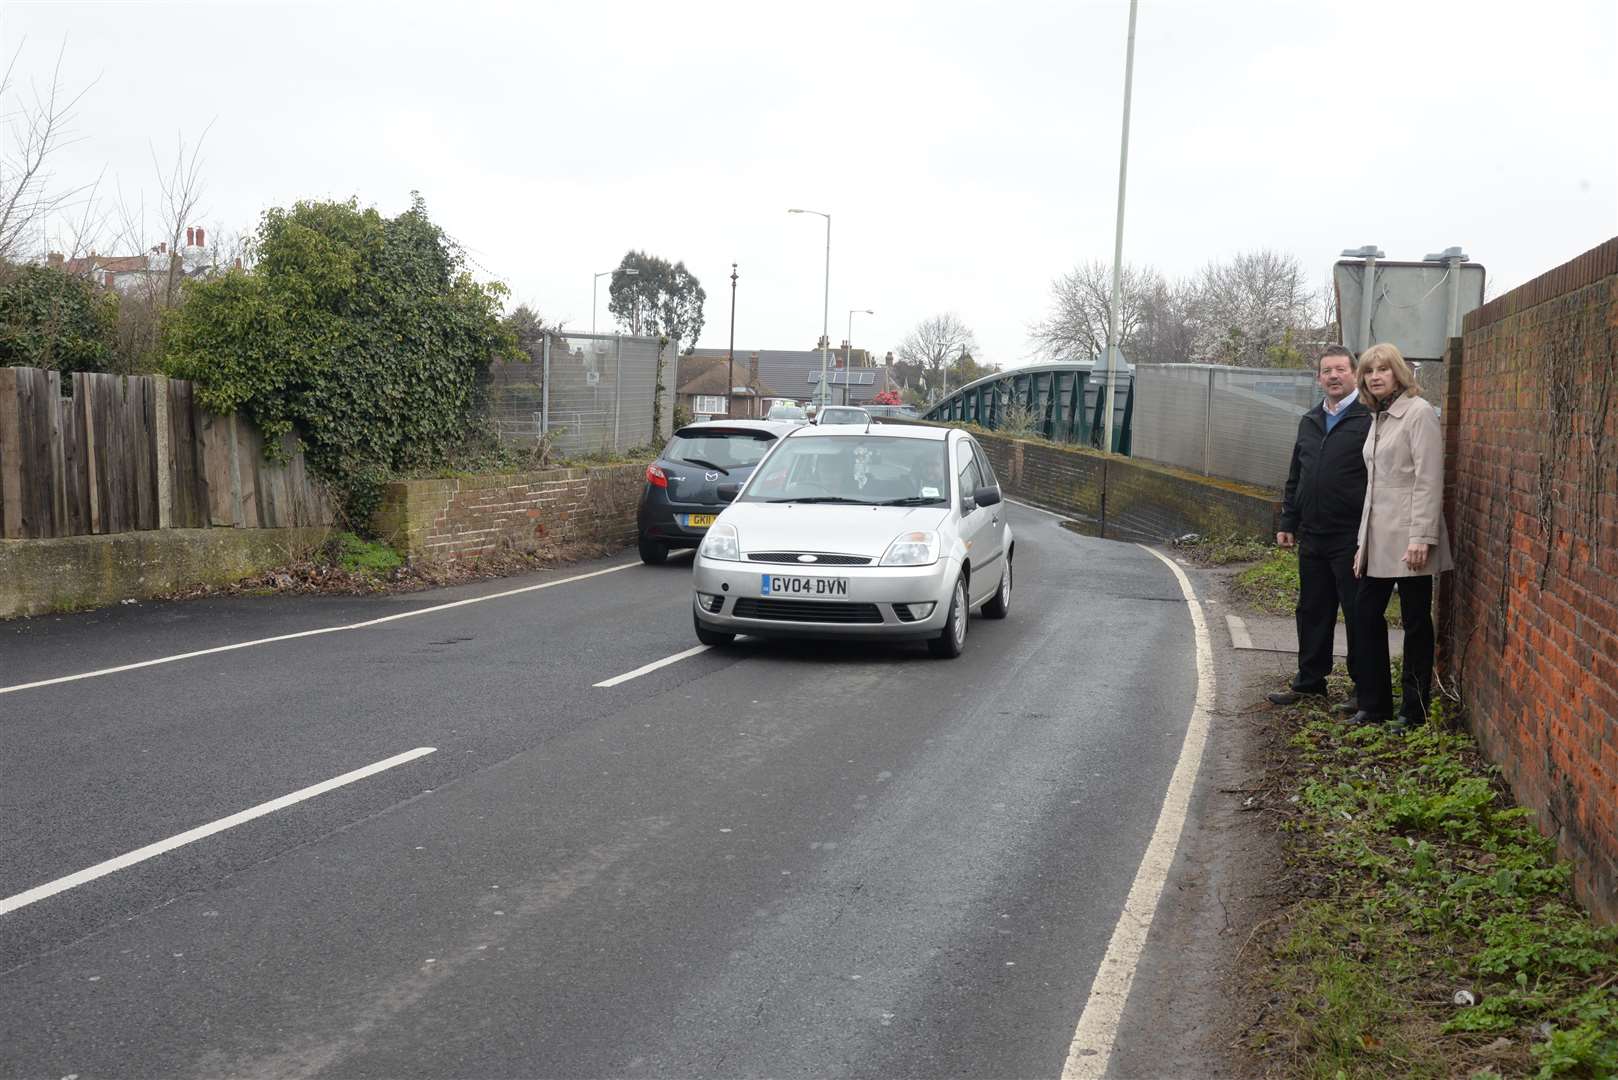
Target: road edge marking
(1239, 637)
(150, 851)
(647, 669)
(1090, 1051)
(1041, 509)
(308, 633)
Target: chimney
(54, 258)
(237, 265)
(752, 371)
(163, 248)
(190, 237)
(200, 241)
(890, 358)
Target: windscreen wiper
(824, 499)
(704, 464)
(914, 500)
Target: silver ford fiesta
(888, 531)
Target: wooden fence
(126, 454)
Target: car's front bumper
(880, 587)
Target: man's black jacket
(1326, 484)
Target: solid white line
(102, 869)
(310, 633)
(1031, 506)
(1239, 637)
(653, 666)
(1091, 1050)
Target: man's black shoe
(1361, 718)
(1347, 708)
(1292, 697)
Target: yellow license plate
(699, 521)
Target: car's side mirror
(987, 496)
(728, 492)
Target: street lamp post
(1118, 242)
(730, 392)
(825, 312)
(850, 360)
(631, 272)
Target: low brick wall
(1125, 498)
(466, 517)
(74, 572)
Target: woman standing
(1403, 543)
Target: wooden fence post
(10, 456)
(165, 454)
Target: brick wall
(1529, 620)
(471, 516)
(1127, 499)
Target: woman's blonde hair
(1402, 375)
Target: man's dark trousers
(1325, 583)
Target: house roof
(789, 371)
(711, 375)
(116, 264)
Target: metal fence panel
(1171, 414)
(599, 399)
(1235, 423)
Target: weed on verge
(1437, 935)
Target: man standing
(1321, 517)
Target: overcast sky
(968, 152)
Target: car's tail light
(656, 477)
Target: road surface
(773, 858)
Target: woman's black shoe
(1361, 718)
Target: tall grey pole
(825, 322)
(1113, 358)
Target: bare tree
(936, 342)
(1081, 299)
(40, 124)
(1168, 325)
(1256, 303)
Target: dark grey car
(681, 498)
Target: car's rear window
(718, 447)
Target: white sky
(968, 152)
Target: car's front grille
(813, 611)
(819, 559)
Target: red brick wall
(471, 516)
(1529, 620)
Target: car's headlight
(722, 543)
(912, 549)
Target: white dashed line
(102, 869)
(646, 669)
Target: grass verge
(1222, 550)
(1437, 935)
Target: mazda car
(896, 533)
(680, 499)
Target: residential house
(704, 388)
(129, 274)
(854, 376)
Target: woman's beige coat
(1404, 491)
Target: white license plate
(828, 588)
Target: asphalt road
(770, 859)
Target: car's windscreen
(843, 416)
(787, 412)
(870, 469)
(719, 449)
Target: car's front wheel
(952, 639)
(710, 637)
(653, 553)
(999, 605)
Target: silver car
(896, 533)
